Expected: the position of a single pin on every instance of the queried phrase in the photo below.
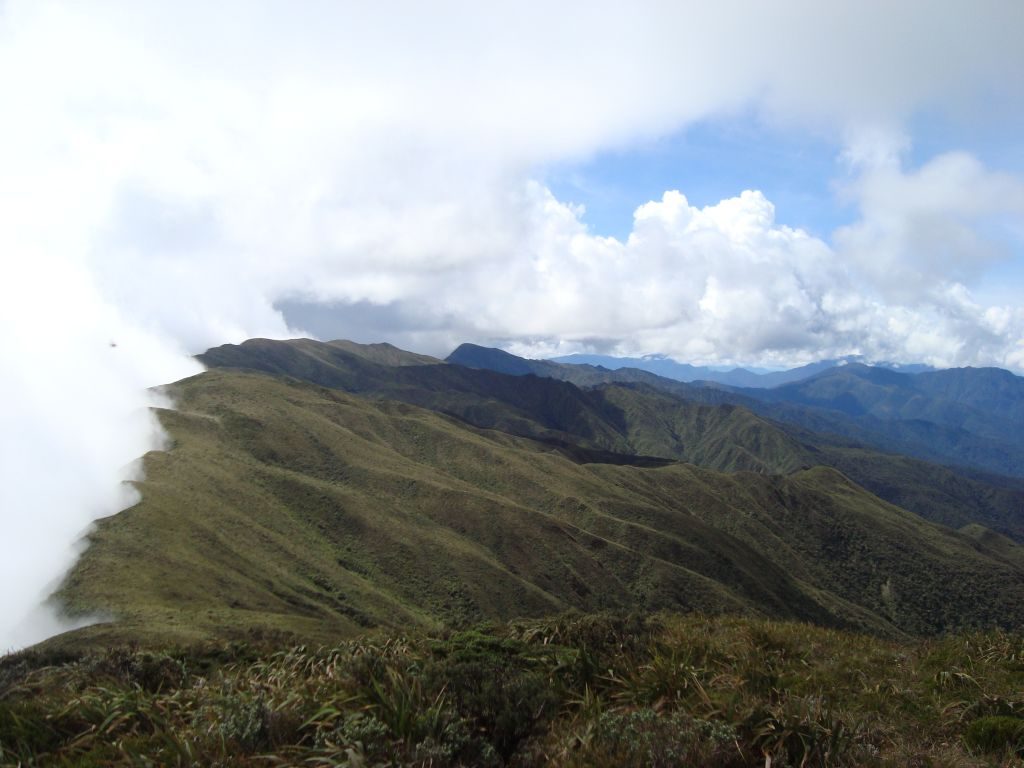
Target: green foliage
(807, 732)
(658, 690)
(242, 723)
(500, 688)
(150, 671)
(996, 733)
(648, 737)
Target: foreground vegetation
(591, 690)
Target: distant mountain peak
(735, 376)
(489, 358)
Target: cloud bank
(171, 175)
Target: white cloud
(75, 419)
(923, 230)
(169, 171)
(724, 283)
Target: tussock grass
(575, 690)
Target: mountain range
(314, 489)
(736, 377)
(972, 418)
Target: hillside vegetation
(624, 418)
(853, 418)
(291, 508)
(969, 417)
(604, 691)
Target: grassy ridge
(570, 691)
(725, 438)
(634, 412)
(662, 417)
(629, 418)
(309, 512)
(936, 493)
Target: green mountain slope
(787, 435)
(937, 493)
(985, 401)
(385, 354)
(580, 374)
(966, 417)
(624, 418)
(727, 438)
(285, 506)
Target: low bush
(996, 733)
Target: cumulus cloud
(173, 175)
(725, 283)
(942, 223)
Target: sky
(724, 183)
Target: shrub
(152, 672)
(646, 737)
(806, 732)
(996, 733)
(494, 687)
(243, 723)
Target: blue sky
(708, 162)
(797, 170)
(802, 172)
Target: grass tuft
(574, 690)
